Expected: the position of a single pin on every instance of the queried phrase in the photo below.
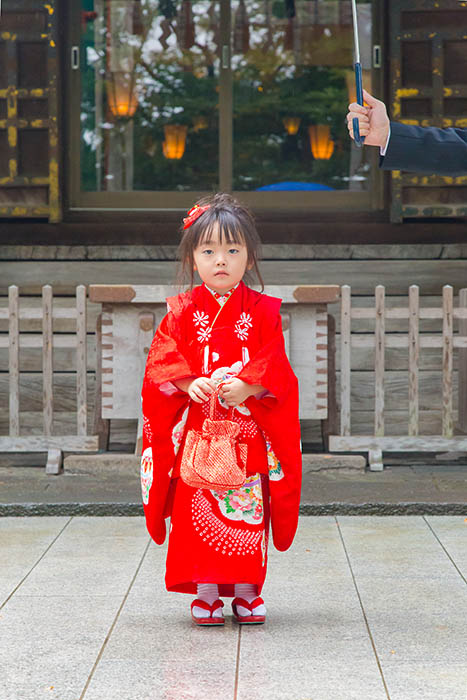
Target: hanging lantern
(200, 123)
(241, 34)
(173, 147)
(121, 96)
(120, 61)
(322, 145)
(291, 125)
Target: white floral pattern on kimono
(177, 432)
(146, 474)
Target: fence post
(447, 361)
(145, 336)
(81, 360)
(345, 359)
(47, 358)
(379, 360)
(414, 358)
(101, 426)
(13, 343)
(330, 425)
(463, 365)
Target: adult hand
(200, 389)
(372, 120)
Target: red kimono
(221, 537)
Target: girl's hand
(200, 389)
(235, 391)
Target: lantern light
(291, 124)
(121, 95)
(200, 123)
(322, 146)
(175, 139)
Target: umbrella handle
(359, 140)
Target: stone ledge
(126, 463)
(121, 462)
(136, 509)
(313, 462)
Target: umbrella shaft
(355, 32)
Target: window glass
(293, 79)
(149, 94)
(150, 90)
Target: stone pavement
(360, 607)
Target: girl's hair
(235, 224)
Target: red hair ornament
(194, 214)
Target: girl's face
(220, 265)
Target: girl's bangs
(228, 231)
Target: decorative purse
(213, 458)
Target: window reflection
(149, 95)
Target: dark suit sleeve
(426, 150)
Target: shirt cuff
(382, 151)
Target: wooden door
(29, 162)
(428, 88)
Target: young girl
(221, 335)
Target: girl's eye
(207, 251)
(233, 250)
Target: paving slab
(49, 644)
(315, 644)
(22, 543)
(54, 625)
(155, 651)
(93, 557)
(415, 602)
(452, 534)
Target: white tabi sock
(208, 592)
(248, 591)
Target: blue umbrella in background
(293, 187)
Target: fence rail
(54, 445)
(446, 340)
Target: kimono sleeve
(166, 361)
(163, 410)
(269, 366)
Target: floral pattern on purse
(213, 458)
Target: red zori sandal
(248, 619)
(209, 620)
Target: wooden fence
(46, 341)
(130, 314)
(447, 340)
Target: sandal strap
(205, 606)
(245, 604)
